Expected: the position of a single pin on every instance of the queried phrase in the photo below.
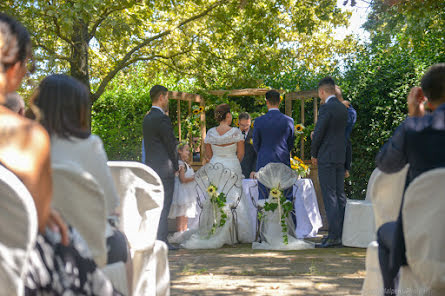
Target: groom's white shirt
(331, 96)
(273, 109)
(159, 108)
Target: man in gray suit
(328, 151)
(160, 148)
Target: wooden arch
(190, 98)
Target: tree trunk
(79, 54)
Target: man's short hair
(243, 115)
(327, 84)
(273, 97)
(156, 91)
(14, 102)
(433, 83)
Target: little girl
(184, 197)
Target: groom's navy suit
(161, 156)
(273, 139)
(328, 146)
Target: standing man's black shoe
(330, 243)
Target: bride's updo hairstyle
(221, 112)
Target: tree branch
(124, 61)
(100, 20)
(51, 51)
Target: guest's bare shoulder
(21, 138)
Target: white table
(305, 205)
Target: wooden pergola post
(191, 98)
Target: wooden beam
(315, 110)
(243, 92)
(183, 96)
(179, 120)
(203, 133)
(302, 122)
(288, 106)
(302, 95)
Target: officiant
(248, 164)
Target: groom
(160, 149)
(273, 136)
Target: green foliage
(117, 118)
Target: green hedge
(117, 118)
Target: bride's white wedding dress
(226, 156)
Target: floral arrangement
(299, 166)
(218, 201)
(192, 126)
(277, 200)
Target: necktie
(244, 134)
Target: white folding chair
(81, 202)
(142, 197)
(18, 218)
(385, 192)
(423, 220)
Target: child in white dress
(184, 197)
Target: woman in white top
(225, 145)
(64, 103)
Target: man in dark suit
(273, 136)
(328, 151)
(248, 164)
(419, 141)
(160, 148)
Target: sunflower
(297, 159)
(299, 128)
(236, 121)
(211, 190)
(201, 109)
(195, 111)
(275, 193)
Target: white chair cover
(386, 191)
(18, 232)
(276, 175)
(142, 196)
(423, 221)
(373, 284)
(359, 226)
(117, 274)
(81, 202)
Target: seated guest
(56, 266)
(64, 103)
(419, 142)
(248, 164)
(15, 103)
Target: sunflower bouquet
(218, 200)
(277, 201)
(299, 166)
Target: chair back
(423, 221)
(276, 175)
(386, 191)
(18, 218)
(81, 202)
(225, 180)
(141, 200)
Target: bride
(225, 145)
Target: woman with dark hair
(225, 145)
(25, 151)
(64, 104)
